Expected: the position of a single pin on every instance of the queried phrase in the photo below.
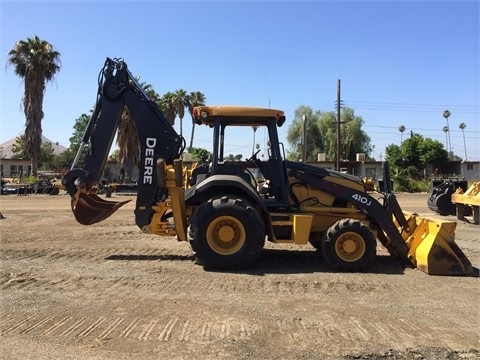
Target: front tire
(349, 245)
(226, 232)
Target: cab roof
(237, 115)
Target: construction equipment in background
(225, 214)
(440, 200)
(468, 202)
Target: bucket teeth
(90, 208)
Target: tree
(128, 143)
(181, 100)
(199, 154)
(127, 135)
(402, 129)
(45, 157)
(151, 93)
(195, 98)
(254, 128)
(393, 154)
(63, 160)
(36, 63)
(433, 153)
(47, 154)
(445, 129)
(354, 140)
(19, 148)
(79, 128)
(169, 107)
(232, 157)
(414, 154)
(327, 126)
(295, 134)
(322, 134)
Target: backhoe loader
(220, 208)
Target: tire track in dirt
(153, 283)
(327, 333)
(165, 329)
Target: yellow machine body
(221, 210)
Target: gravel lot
(107, 291)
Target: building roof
(7, 153)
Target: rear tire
(349, 245)
(226, 232)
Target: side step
(291, 228)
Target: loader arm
(158, 139)
(423, 243)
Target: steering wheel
(254, 156)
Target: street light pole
(462, 126)
(446, 115)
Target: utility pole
(304, 152)
(338, 126)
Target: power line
(371, 105)
(418, 129)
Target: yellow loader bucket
(90, 208)
(432, 247)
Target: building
(19, 168)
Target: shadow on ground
(274, 261)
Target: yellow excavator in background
(222, 211)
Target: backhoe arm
(157, 139)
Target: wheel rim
(226, 235)
(350, 247)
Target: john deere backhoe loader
(225, 214)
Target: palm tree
(180, 98)
(462, 126)
(255, 128)
(401, 128)
(148, 89)
(127, 136)
(446, 115)
(128, 143)
(169, 107)
(195, 98)
(18, 148)
(445, 128)
(36, 62)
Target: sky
(399, 63)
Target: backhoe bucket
(432, 247)
(90, 208)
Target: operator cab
(265, 169)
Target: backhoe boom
(118, 90)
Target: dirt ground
(107, 291)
